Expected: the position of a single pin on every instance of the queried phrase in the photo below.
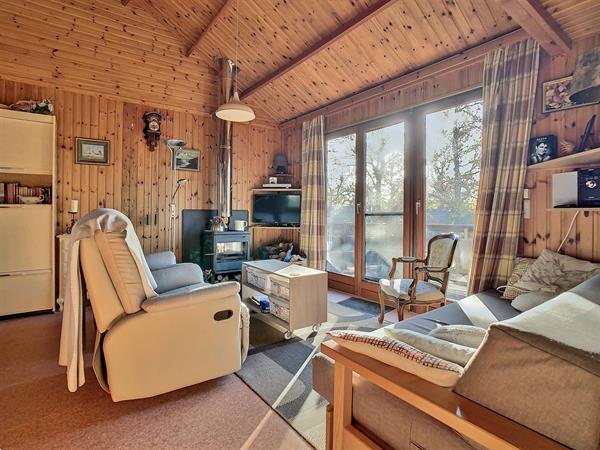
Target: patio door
(367, 188)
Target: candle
(74, 206)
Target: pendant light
(234, 110)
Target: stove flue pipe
(224, 171)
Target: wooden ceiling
(404, 36)
(174, 42)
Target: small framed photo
(272, 180)
(92, 151)
(187, 159)
(542, 148)
(557, 95)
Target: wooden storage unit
(27, 156)
(301, 289)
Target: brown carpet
(37, 411)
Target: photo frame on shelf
(187, 159)
(557, 95)
(92, 151)
(587, 133)
(541, 149)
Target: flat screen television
(281, 209)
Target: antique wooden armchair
(436, 272)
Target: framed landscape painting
(92, 151)
(557, 95)
(187, 159)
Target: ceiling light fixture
(235, 110)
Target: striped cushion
(401, 355)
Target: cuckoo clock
(152, 128)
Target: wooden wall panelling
(546, 229)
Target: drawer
(25, 238)
(25, 292)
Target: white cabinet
(25, 237)
(26, 292)
(24, 143)
(27, 152)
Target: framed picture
(272, 180)
(187, 159)
(92, 151)
(557, 95)
(542, 148)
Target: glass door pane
(453, 156)
(384, 199)
(341, 199)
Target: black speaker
(588, 187)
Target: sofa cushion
(521, 265)
(122, 269)
(527, 300)
(177, 276)
(553, 272)
(443, 349)
(550, 356)
(401, 355)
(467, 335)
(480, 309)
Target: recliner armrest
(177, 276)
(201, 294)
(161, 259)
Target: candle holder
(70, 226)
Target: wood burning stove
(224, 251)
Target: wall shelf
(575, 159)
(583, 208)
(276, 190)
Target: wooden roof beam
(218, 16)
(538, 23)
(328, 40)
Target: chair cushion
(122, 269)
(398, 288)
(401, 355)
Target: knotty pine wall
(546, 229)
(137, 181)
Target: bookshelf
(27, 159)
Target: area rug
(280, 371)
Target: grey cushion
(160, 260)
(452, 314)
(177, 276)
(526, 301)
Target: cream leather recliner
(189, 333)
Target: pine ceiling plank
(332, 37)
(218, 16)
(539, 24)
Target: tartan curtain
(509, 83)
(312, 226)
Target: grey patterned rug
(280, 371)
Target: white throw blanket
(71, 339)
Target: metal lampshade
(585, 86)
(235, 111)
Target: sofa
(540, 368)
(190, 332)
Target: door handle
(358, 207)
(417, 207)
